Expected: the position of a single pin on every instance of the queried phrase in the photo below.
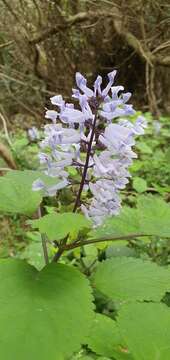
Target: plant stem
(94, 241)
(86, 165)
(43, 241)
(63, 246)
(60, 249)
(67, 247)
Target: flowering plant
(101, 130)
(54, 297)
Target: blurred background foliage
(43, 43)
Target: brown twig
(5, 129)
(6, 155)
(115, 14)
(69, 22)
(8, 43)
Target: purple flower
(33, 133)
(48, 190)
(82, 85)
(99, 120)
(111, 77)
(57, 100)
(117, 138)
(105, 202)
(72, 116)
(52, 115)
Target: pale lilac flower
(33, 134)
(76, 129)
(106, 202)
(110, 167)
(52, 115)
(97, 86)
(117, 138)
(138, 127)
(49, 190)
(71, 116)
(111, 77)
(38, 185)
(82, 85)
(57, 100)
(157, 126)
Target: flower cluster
(110, 168)
(99, 128)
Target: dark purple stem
(83, 179)
(62, 246)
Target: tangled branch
(151, 57)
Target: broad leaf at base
(43, 315)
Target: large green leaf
(154, 214)
(104, 339)
(125, 223)
(124, 278)
(146, 330)
(151, 217)
(57, 226)
(16, 195)
(30, 176)
(43, 315)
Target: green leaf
(114, 251)
(57, 226)
(33, 253)
(105, 339)
(16, 195)
(42, 313)
(154, 214)
(144, 148)
(139, 184)
(146, 330)
(30, 176)
(131, 279)
(151, 217)
(90, 255)
(125, 223)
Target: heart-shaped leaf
(43, 315)
(130, 279)
(57, 226)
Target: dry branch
(7, 157)
(6, 44)
(117, 17)
(145, 54)
(70, 21)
